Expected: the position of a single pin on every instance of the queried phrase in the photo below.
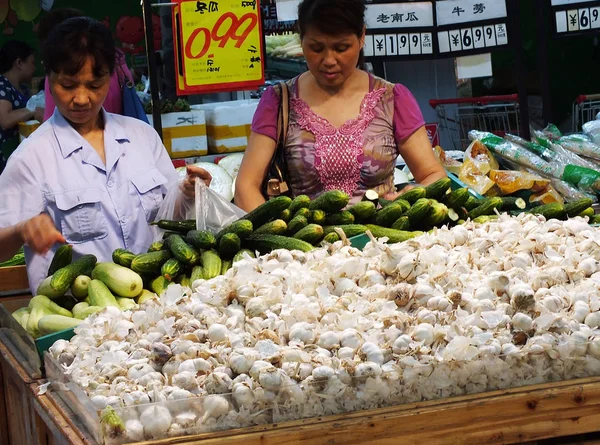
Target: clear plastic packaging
(592, 129)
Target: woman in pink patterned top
(346, 127)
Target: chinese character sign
(450, 12)
(399, 15)
(220, 45)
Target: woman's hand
(40, 233)
(188, 186)
(38, 114)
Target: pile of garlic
(291, 335)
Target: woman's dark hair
(75, 40)
(11, 51)
(332, 17)
(54, 18)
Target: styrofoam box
(184, 133)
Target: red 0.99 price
(228, 27)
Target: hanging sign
(220, 46)
(399, 30)
(576, 17)
(466, 27)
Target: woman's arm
(39, 233)
(253, 170)
(10, 118)
(420, 158)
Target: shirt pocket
(80, 214)
(148, 189)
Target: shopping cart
(585, 109)
(495, 114)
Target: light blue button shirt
(96, 207)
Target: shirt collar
(69, 140)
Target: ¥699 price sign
(219, 45)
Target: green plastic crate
(359, 241)
(43, 343)
(458, 184)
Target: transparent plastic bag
(212, 211)
(36, 101)
(592, 129)
(580, 144)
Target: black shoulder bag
(275, 182)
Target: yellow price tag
(220, 45)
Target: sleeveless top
(358, 156)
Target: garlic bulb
(302, 332)
(217, 332)
(350, 338)
(593, 320)
(156, 420)
(423, 333)
(370, 352)
(521, 322)
(580, 311)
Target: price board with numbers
(400, 30)
(576, 17)
(466, 27)
(220, 45)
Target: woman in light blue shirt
(85, 177)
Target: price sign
(576, 17)
(219, 45)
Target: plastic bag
(212, 211)
(592, 129)
(552, 132)
(571, 193)
(583, 178)
(36, 101)
(580, 144)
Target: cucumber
(156, 246)
(286, 215)
(437, 214)
(414, 194)
(229, 245)
(240, 255)
(49, 324)
(45, 289)
(394, 236)
(317, 217)
(242, 228)
(176, 226)
(485, 218)
(384, 202)
(339, 218)
(79, 288)
(595, 219)
(122, 281)
(145, 296)
(349, 230)
(277, 227)
(330, 202)
(299, 202)
(62, 257)
(126, 304)
(403, 202)
(201, 239)
(225, 266)
(158, 285)
(41, 300)
(63, 278)
(371, 196)
(297, 223)
(589, 212)
(549, 211)
(168, 234)
(267, 243)
(402, 223)
(171, 269)
(438, 189)
(574, 208)
(123, 257)
(313, 233)
(512, 203)
(486, 208)
(197, 273)
(363, 211)
(457, 198)
(211, 264)
(150, 262)
(100, 295)
(79, 308)
(471, 203)
(386, 216)
(182, 250)
(303, 212)
(271, 209)
(331, 238)
(184, 280)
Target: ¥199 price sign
(219, 45)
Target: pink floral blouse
(358, 156)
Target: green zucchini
(148, 263)
(182, 250)
(242, 228)
(286, 215)
(267, 243)
(438, 213)
(330, 202)
(512, 203)
(100, 295)
(414, 194)
(121, 280)
(63, 278)
(297, 223)
(79, 288)
(486, 208)
(394, 236)
(159, 285)
(419, 211)
(574, 208)
(331, 238)
(363, 211)
(402, 223)
(438, 189)
(589, 212)
(62, 257)
(197, 273)
(457, 198)
(171, 268)
(240, 255)
(271, 209)
(317, 217)
(229, 245)
(471, 203)
(225, 266)
(211, 262)
(123, 257)
(299, 202)
(303, 212)
(386, 216)
(201, 239)
(550, 211)
(349, 230)
(383, 203)
(156, 246)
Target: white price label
(561, 21)
(415, 44)
(478, 37)
(489, 34)
(466, 36)
(426, 43)
(403, 45)
(572, 20)
(452, 12)
(569, 2)
(444, 42)
(369, 46)
(595, 17)
(501, 35)
(391, 45)
(584, 18)
(379, 45)
(455, 43)
(399, 15)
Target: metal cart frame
(496, 114)
(585, 109)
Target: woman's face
(331, 59)
(79, 97)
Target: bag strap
(283, 115)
